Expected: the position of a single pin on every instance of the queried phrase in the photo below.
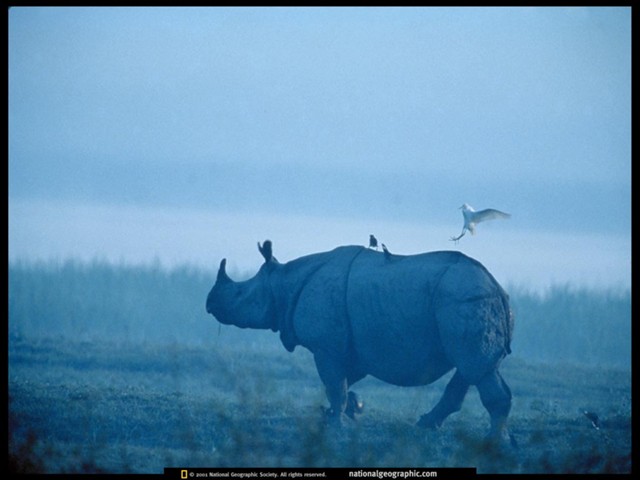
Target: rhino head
(247, 304)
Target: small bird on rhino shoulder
(373, 242)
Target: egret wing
(489, 214)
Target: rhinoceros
(404, 319)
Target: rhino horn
(222, 272)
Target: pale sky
(321, 125)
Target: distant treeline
(573, 324)
(150, 304)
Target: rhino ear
(266, 250)
(222, 272)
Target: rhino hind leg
(450, 402)
(496, 398)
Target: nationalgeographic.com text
(381, 474)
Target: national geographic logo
(314, 473)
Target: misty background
(146, 144)
(185, 135)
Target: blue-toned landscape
(119, 369)
(147, 144)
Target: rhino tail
(509, 323)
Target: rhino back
(390, 309)
(413, 318)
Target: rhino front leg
(355, 405)
(333, 375)
(450, 402)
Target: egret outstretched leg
(455, 239)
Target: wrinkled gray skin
(406, 320)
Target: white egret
(471, 218)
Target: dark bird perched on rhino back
(407, 322)
(373, 242)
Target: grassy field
(105, 408)
(98, 301)
(119, 369)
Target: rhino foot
(501, 445)
(332, 418)
(501, 439)
(355, 406)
